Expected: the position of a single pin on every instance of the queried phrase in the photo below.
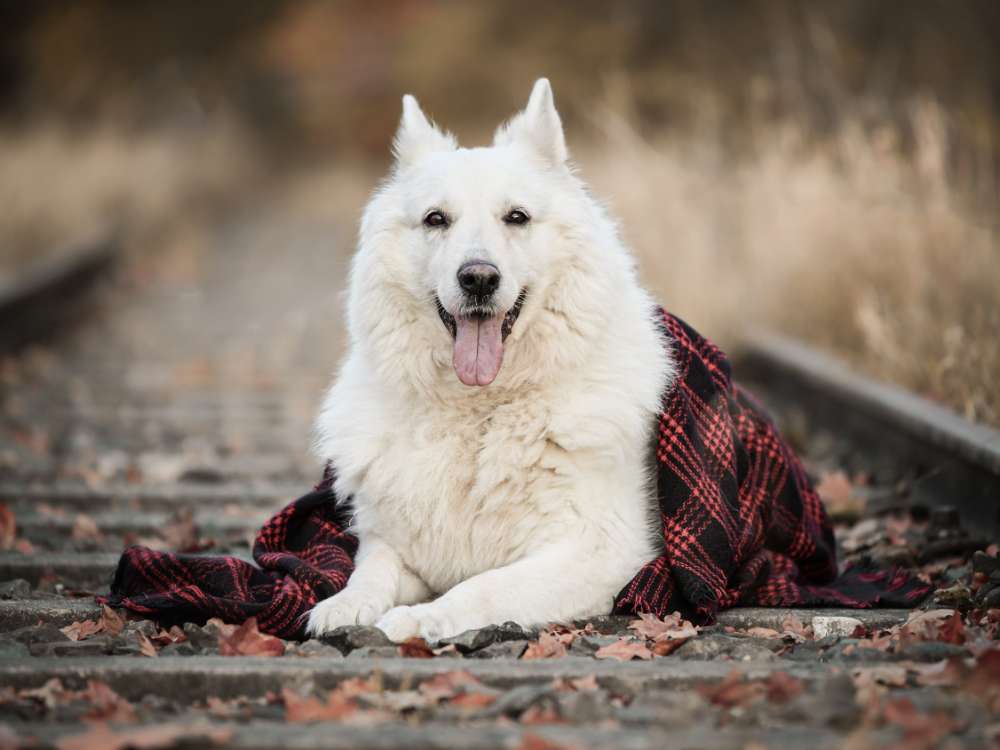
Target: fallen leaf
(733, 691)
(952, 630)
(548, 646)
(247, 640)
(448, 685)
(782, 687)
(535, 742)
(51, 694)
(146, 647)
(79, 631)
(624, 650)
(101, 737)
(837, 492)
(762, 633)
(472, 701)
(919, 730)
(306, 709)
(416, 648)
(8, 527)
(85, 529)
(111, 622)
(166, 637)
(884, 674)
(106, 704)
(792, 627)
(667, 647)
(671, 627)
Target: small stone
(958, 595)
(312, 648)
(44, 633)
(373, 652)
(838, 627)
(587, 645)
(720, 646)
(508, 650)
(991, 598)
(515, 702)
(927, 651)
(607, 624)
(205, 638)
(350, 637)
(17, 588)
(97, 645)
(179, 649)
(147, 627)
(475, 640)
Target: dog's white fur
(529, 499)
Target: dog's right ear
(417, 135)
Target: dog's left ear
(538, 125)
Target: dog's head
(468, 238)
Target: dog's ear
(538, 125)
(417, 135)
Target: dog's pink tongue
(478, 349)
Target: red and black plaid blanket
(741, 525)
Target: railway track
(183, 420)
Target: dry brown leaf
(146, 647)
(305, 709)
(583, 684)
(111, 622)
(247, 640)
(782, 687)
(51, 694)
(79, 631)
(837, 492)
(761, 633)
(472, 701)
(667, 647)
(919, 730)
(85, 529)
(535, 742)
(101, 737)
(8, 527)
(106, 704)
(792, 627)
(166, 637)
(891, 675)
(671, 627)
(548, 646)
(416, 648)
(624, 650)
(733, 691)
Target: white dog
(493, 418)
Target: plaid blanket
(742, 525)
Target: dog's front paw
(428, 621)
(346, 608)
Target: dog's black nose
(479, 278)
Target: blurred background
(827, 169)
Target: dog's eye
(516, 216)
(435, 219)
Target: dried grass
(888, 255)
(60, 185)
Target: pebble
(839, 627)
(17, 588)
(349, 638)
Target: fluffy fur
(528, 499)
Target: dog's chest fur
(459, 493)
